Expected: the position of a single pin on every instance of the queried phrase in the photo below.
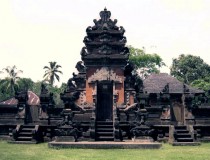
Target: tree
(188, 68)
(203, 84)
(145, 63)
(52, 72)
(25, 84)
(10, 81)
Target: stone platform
(106, 145)
(186, 143)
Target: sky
(35, 32)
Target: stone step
(180, 127)
(24, 138)
(186, 144)
(22, 142)
(27, 129)
(183, 135)
(28, 126)
(105, 138)
(104, 129)
(181, 131)
(104, 133)
(25, 134)
(104, 123)
(184, 139)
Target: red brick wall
(119, 87)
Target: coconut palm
(51, 72)
(10, 81)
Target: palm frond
(46, 67)
(57, 77)
(58, 66)
(59, 71)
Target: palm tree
(52, 72)
(10, 81)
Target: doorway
(104, 101)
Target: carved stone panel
(105, 74)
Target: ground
(42, 152)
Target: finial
(105, 15)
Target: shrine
(108, 102)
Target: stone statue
(70, 84)
(84, 51)
(80, 67)
(44, 89)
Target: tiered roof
(105, 43)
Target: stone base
(186, 144)
(205, 139)
(22, 142)
(143, 139)
(106, 145)
(5, 137)
(64, 139)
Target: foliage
(52, 72)
(37, 87)
(28, 84)
(25, 84)
(43, 152)
(53, 89)
(4, 93)
(188, 68)
(56, 93)
(145, 63)
(10, 81)
(203, 84)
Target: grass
(42, 152)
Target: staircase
(182, 136)
(24, 134)
(104, 131)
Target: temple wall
(120, 86)
(91, 88)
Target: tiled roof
(155, 83)
(33, 99)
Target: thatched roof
(155, 83)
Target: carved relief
(104, 74)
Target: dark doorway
(104, 101)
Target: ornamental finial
(105, 15)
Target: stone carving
(105, 15)
(46, 101)
(70, 85)
(67, 130)
(185, 88)
(104, 74)
(80, 67)
(105, 49)
(124, 51)
(84, 51)
(44, 89)
(166, 88)
(104, 23)
(23, 108)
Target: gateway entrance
(104, 101)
